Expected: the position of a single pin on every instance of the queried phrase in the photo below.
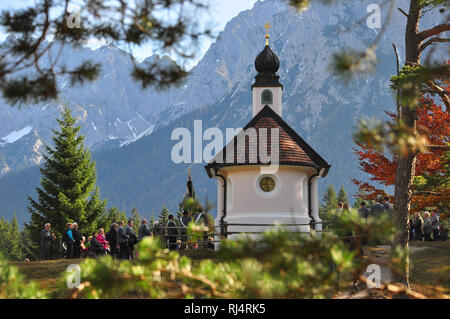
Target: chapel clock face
(267, 184)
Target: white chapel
(251, 190)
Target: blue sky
(219, 12)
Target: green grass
(432, 244)
(430, 267)
(429, 271)
(45, 273)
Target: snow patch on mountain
(148, 131)
(15, 135)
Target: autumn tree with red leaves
(432, 181)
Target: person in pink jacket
(101, 239)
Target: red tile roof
(293, 150)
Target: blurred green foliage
(278, 264)
(13, 285)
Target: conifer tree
(206, 208)
(10, 239)
(163, 216)
(15, 239)
(329, 203)
(68, 191)
(26, 245)
(361, 196)
(210, 223)
(136, 217)
(112, 215)
(152, 221)
(179, 213)
(342, 196)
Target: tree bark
(406, 168)
(406, 165)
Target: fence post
(223, 229)
(312, 225)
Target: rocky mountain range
(115, 112)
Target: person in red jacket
(101, 239)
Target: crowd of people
(426, 228)
(120, 240)
(380, 207)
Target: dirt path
(380, 256)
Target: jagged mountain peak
(218, 92)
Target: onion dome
(267, 61)
(267, 65)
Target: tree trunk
(406, 165)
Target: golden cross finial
(189, 171)
(267, 26)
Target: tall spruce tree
(136, 217)
(152, 221)
(26, 245)
(11, 239)
(329, 203)
(180, 210)
(112, 215)
(68, 191)
(342, 196)
(206, 208)
(163, 216)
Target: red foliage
(433, 122)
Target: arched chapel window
(266, 97)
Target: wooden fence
(162, 231)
